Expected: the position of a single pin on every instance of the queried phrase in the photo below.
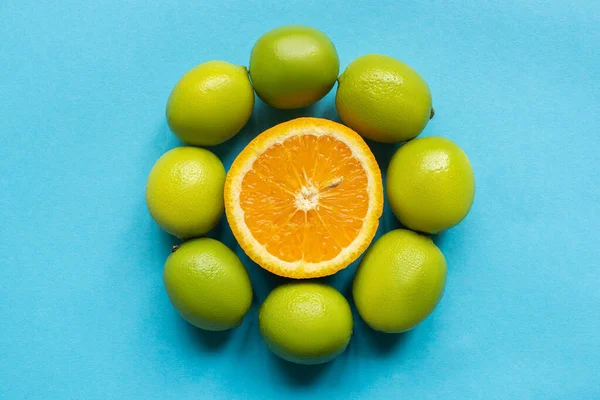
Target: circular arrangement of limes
(429, 186)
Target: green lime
(211, 103)
(430, 184)
(383, 99)
(399, 281)
(306, 322)
(184, 192)
(208, 284)
(293, 66)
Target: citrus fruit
(399, 281)
(211, 103)
(184, 192)
(306, 323)
(430, 184)
(293, 66)
(304, 198)
(208, 284)
(383, 99)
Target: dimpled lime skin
(293, 66)
(399, 282)
(208, 284)
(430, 184)
(306, 322)
(210, 103)
(383, 99)
(184, 191)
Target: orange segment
(304, 198)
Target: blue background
(83, 312)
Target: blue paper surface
(83, 311)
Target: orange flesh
(305, 198)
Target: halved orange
(304, 198)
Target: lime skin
(306, 322)
(208, 284)
(293, 66)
